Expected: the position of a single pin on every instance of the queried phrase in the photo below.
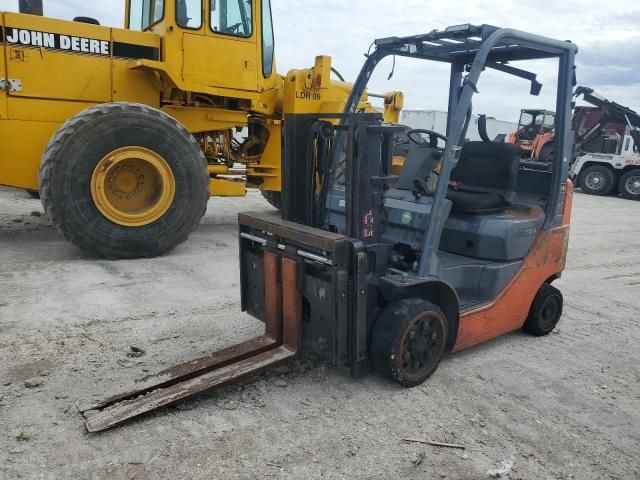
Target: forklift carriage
(375, 270)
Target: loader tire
(124, 180)
(545, 312)
(273, 198)
(409, 340)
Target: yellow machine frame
(211, 83)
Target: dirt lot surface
(565, 406)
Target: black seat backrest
(488, 165)
(419, 164)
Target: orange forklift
(376, 271)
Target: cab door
(226, 56)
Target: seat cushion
(502, 236)
(474, 202)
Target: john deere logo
(56, 41)
(406, 218)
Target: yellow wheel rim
(133, 186)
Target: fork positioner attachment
(280, 344)
(332, 281)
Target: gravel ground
(565, 406)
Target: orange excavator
(535, 134)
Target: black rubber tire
(33, 194)
(622, 184)
(70, 159)
(608, 184)
(273, 198)
(547, 152)
(545, 311)
(389, 333)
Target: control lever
(421, 188)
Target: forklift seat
(485, 178)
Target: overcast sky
(607, 33)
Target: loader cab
(226, 45)
(533, 123)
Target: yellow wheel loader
(126, 132)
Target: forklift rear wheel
(545, 312)
(629, 185)
(409, 340)
(33, 194)
(597, 180)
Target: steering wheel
(235, 28)
(414, 137)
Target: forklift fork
(281, 342)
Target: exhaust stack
(32, 7)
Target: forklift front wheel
(545, 312)
(409, 340)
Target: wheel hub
(133, 186)
(595, 180)
(421, 345)
(633, 185)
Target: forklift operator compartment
(488, 218)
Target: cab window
(267, 39)
(145, 13)
(232, 17)
(189, 13)
(549, 121)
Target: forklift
(376, 271)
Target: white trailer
(437, 121)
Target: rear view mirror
(536, 87)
